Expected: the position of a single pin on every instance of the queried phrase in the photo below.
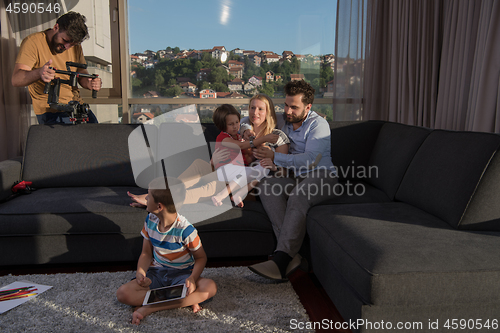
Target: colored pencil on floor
(23, 292)
(2, 292)
(17, 297)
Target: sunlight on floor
(240, 324)
(206, 313)
(83, 316)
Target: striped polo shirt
(172, 248)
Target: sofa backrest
(352, 144)
(394, 149)
(445, 171)
(78, 155)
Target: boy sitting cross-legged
(176, 257)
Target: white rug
(84, 302)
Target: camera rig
(78, 113)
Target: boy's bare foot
(196, 307)
(139, 314)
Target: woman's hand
(220, 155)
(138, 200)
(271, 138)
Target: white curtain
(349, 61)
(15, 103)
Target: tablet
(165, 294)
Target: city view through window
(229, 50)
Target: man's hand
(46, 73)
(247, 134)
(263, 152)
(190, 285)
(95, 84)
(268, 164)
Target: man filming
(43, 52)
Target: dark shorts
(166, 276)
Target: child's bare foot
(237, 201)
(196, 307)
(139, 314)
(216, 201)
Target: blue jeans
(50, 118)
(166, 276)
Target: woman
(261, 121)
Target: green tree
(173, 91)
(326, 75)
(220, 87)
(267, 89)
(206, 57)
(136, 83)
(159, 79)
(233, 56)
(202, 85)
(219, 75)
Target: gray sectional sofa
(413, 238)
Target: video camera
(78, 113)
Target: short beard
(297, 119)
(53, 45)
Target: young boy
(233, 170)
(176, 257)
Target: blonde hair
(270, 112)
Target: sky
(303, 27)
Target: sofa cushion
(239, 232)
(51, 224)
(75, 210)
(351, 146)
(483, 211)
(10, 172)
(394, 149)
(348, 192)
(395, 254)
(78, 155)
(445, 171)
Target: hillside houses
(193, 78)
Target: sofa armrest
(10, 172)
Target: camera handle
(73, 80)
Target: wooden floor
(312, 296)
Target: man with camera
(41, 54)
